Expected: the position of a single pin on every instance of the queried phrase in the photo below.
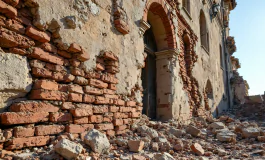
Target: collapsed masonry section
(64, 97)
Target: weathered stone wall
(72, 73)
(77, 65)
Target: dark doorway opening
(149, 76)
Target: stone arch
(165, 29)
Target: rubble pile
(210, 138)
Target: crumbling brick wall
(64, 97)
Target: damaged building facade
(69, 66)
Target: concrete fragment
(68, 149)
(98, 142)
(14, 78)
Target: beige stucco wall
(208, 65)
(95, 31)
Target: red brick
(56, 68)
(100, 60)
(20, 132)
(75, 97)
(69, 78)
(121, 26)
(58, 76)
(97, 83)
(108, 91)
(37, 35)
(125, 109)
(112, 63)
(63, 87)
(91, 74)
(100, 109)
(119, 102)
(130, 104)
(104, 126)
(48, 47)
(33, 106)
(64, 54)
(95, 119)
(12, 2)
(81, 81)
(126, 121)
(120, 128)
(83, 56)
(38, 53)
(109, 78)
(101, 100)
(45, 84)
(120, 132)
(68, 105)
(41, 72)
(9, 39)
(77, 72)
(138, 108)
(24, 20)
(114, 109)
(107, 119)
(15, 26)
(18, 143)
(112, 69)
(110, 133)
(120, 115)
(37, 63)
(10, 118)
(43, 130)
(110, 56)
(94, 91)
(88, 98)
(100, 67)
(136, 114)
(74, 128)
(74, 62)
(118, 122)
(74, 48)
(60, 117)
(81, 120)
(82, 112)
(48, 95)
(8, 10)
(111, 96)
(112, 87)
(19, 51)
(75, 88)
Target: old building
(102, 63)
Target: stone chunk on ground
(98, 141)
(164, 156)
(195, 132)
(197, 148)
(250, 132)
(151, 132)
(226, 136)
(68, 149)
(135, 146)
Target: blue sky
(247, 25)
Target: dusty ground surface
(239, 134)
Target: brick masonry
(64, 97)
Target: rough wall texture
(86, 57)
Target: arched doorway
(149, 75)
(160, 46)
